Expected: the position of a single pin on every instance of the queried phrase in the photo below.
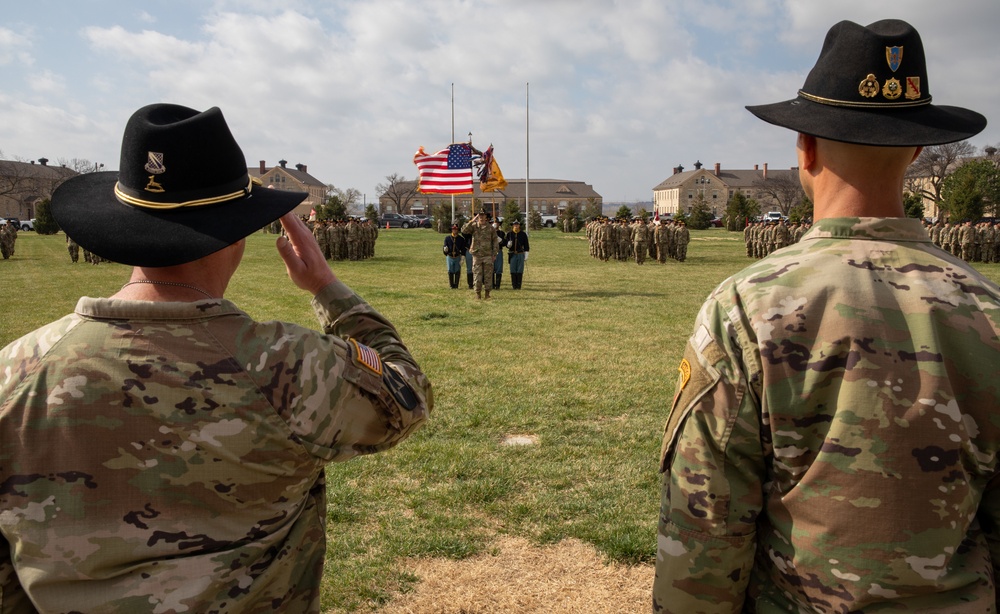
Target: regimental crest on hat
(869, 86)
(892, 89)
(894, 56)
(155, 165)
(912, 88)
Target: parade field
(535, 480)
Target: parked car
(395, 220)
(13, 221)
(549, 221)
(28, 224)
(717, 223)
(421, 221)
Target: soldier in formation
(8, 235)
(762, 238)
(346, 239)
(618, 239)
(970, 242)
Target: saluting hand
(304, 260)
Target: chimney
(43, 161)
(284, 162)
(675, 170)
(718, 169)
(263, 167)
(300, 167)
(765, 170)
(756, 167)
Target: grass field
(583, 359)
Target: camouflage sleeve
(989, 520)
(713, 470)
(397, 389)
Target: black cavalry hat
(182, 192)
(870, 87)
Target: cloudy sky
(617, 92)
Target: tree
(442, 217)
(624, 213)
(45, 224)
(927, 173)
(398, 190)
(913, 205)
(81, 165)
(534, 220)
(802, 211)
(592, 209)
(970, 190)
(739, 209)
(700, 216)
(371, 212)
(784, 189)
(511, 211)
(332, 209)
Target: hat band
(200, 202)
(864, 105)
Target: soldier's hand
(304, 261)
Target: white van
(773, 216)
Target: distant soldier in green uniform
(833, 444)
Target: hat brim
(86, 209)
(927, 125)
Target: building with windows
(295, 180)
(24, 184)
(680, 191)
(547, 196)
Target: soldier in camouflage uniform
(833, 444)
(484, 247)
(161, 451)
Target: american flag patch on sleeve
(367, 357)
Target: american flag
(367, 357)
(449, 171)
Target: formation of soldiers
(346, 239)
(762, 238)
(970, 242)
(8, 235)
(620, 239)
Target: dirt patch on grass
(519, 577)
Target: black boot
(469, 277)
(452, 281)
(496, 282)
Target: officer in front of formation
(454, 249)
(516, 242)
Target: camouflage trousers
(482, 272)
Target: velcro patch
(366, 357)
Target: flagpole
(527, 165)
(452, 140)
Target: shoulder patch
(400, 390)
(366, 357)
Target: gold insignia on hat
(912, 88)
(869, 87)
(892, 89)
(685, 370)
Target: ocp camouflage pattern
(168, 457)
(834, 446)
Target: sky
(615, 93)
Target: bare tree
(14, 177)
(81, 165)
(927, 173)
(398, 190)
(782, 188)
